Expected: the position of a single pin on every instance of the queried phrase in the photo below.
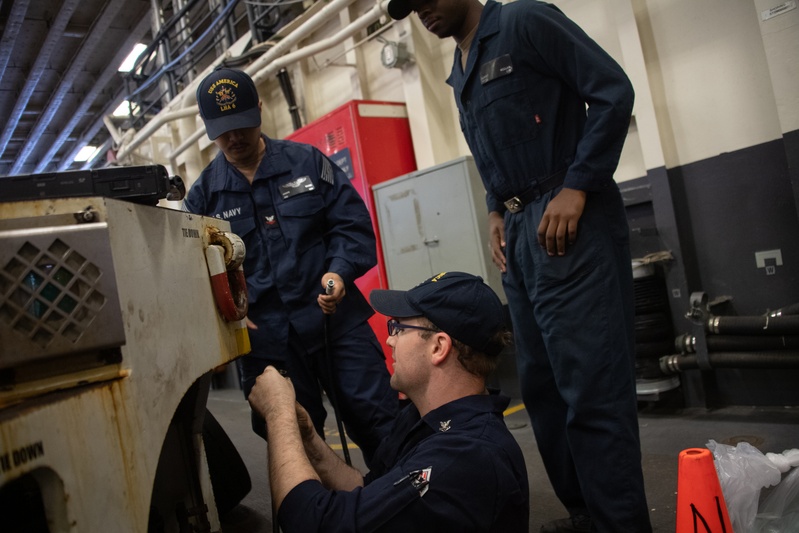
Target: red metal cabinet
(371, 142)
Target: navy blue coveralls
(300, 218)
(522, 100)
(456, 469)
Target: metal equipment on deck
(109, 335)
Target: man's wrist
(275, 415)
(312, 449)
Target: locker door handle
(431, 242)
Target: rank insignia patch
(296, 186)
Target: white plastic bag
(779, 512)
(743, 471)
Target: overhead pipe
(268, 67)
(116, 135)
(154, 125)
(674, 364)
(245, 58)
(275, 50)
(188, 102)
(280, 62)
(292, 39)
(262, 68)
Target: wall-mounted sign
(778, 10)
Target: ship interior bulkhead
(120, 403)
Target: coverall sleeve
(589, 71)
(194, 202)
(495, 204)
(467, 486)
(351, 243)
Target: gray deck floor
(664, 434)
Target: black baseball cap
(399, 9)
(458, 303)
(228, 100)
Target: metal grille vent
(49, 293)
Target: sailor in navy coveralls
(449, 465)
(545, 112)
(303, 223)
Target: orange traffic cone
(700, 503)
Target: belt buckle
(514, 205)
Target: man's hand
(558, 227)
(496, 239)
(307, 430)
(328, 302)
(272, 394)
(273, 398)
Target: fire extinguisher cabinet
(371, 142)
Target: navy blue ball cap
(228, 100)
(399, 9)
(458, 303)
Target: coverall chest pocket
(508, 111)
(302, 219)
(245, 228)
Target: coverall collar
(488, 26)
(274, 163)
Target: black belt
(533, 193)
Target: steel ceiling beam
(139, 31)
(39, 66)
(76, 67)
(14, 24)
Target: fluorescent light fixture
(125, 109)
(86, 153)
(134, 54)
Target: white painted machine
(110, 329)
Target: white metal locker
(435, 220)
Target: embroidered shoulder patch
(327, 171)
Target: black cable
(753, 325)
(673, 364)
(333, 397)
(332, 394)
(686, 343)
(288, 93)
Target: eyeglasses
(394, 327)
